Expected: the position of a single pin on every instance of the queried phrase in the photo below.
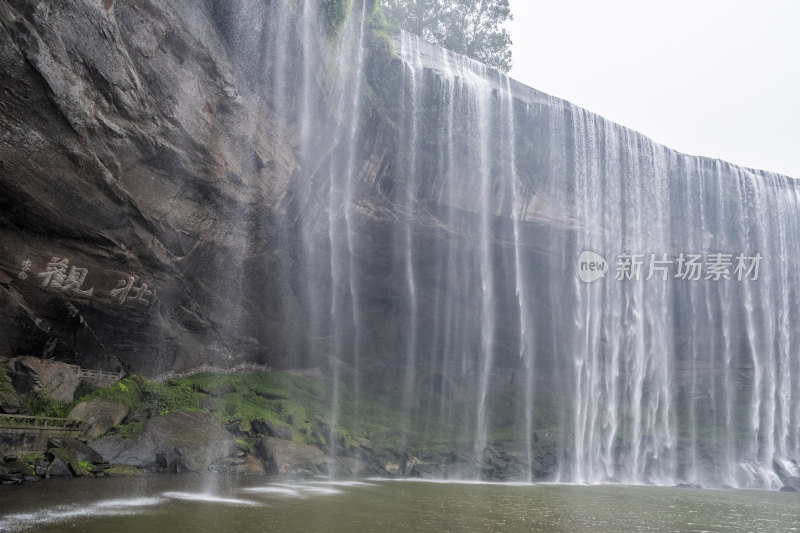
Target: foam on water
(314, 490)
(208, 498)
(304, 490)
(444, 481)
(275, 490)
(130, 502)
(62, 513)
(342, 483)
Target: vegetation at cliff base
(5, 383)
(301, 409)
(298, 408)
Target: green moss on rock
(335, 12)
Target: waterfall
(669, 379)
(481, 319)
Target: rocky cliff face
(221, 181)
(137, 163)
(166, 181)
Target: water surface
(192, 504)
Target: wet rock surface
(51, 379)
(70, 456)
(180, 441)
(156, 214)
(286, 457)
(98, 416)
(122, 176)
(144, 227)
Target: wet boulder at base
(111, 446)
(9, 399)
(350, 467)
(244, 463)
(271, 429)
(179, 441)
(73, 457)
(51, 379)
(98, 416)
(286, 457)
(59, 467)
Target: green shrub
(129, 430)
(33, 459)
(335, 12)
(127, 391)
(84, 390)
(36, 404)
(5, 383)
(243, 445)
(164, 398)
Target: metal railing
(29, 435)
(20, 453)
(100, 378)
(97, 377)
(241, 367)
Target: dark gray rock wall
(136, 164)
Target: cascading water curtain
(681, 362)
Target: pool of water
(192, 503)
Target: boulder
(287, 457)
(59, 467)
(80, 458)
(110, 447)
(251, 465)
(182, 440)
(76, 467)
(20, 467)
(392, 468)
(426, 471)
(9, 403)
(52, 379)
(75, 448)
(271, 429)
(349, 466)
(98, 415)
(9, 400)
(10, 475)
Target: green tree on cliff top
(469, 27)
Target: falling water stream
(505, 267)
(552, 277)
(679, 364)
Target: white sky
(719, 78)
